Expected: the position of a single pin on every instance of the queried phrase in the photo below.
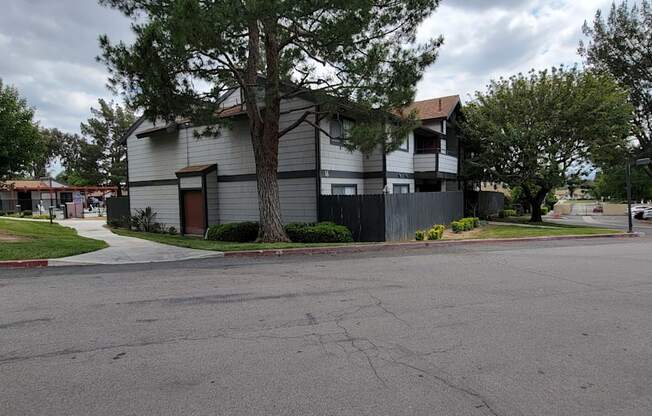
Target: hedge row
(246, 232)
(507, 213)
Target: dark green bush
(322, 232)
(457, 226)
(237, 232)
(420, 235)
(172, 231)
(544, 210)
(26, 213)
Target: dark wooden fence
(117, 209)
(389, 217)
(483, 204)
(364, 215)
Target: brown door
(193, 213)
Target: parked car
(638, 210)
(647, 214)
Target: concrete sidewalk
(124, 250)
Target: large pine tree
(361, 51)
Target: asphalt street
(547, 328)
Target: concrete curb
(375, 247)
(357, 248)
(23, 264)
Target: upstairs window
(339, 130)
(344, 189)
(405, 145)
(401, 188)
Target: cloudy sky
(49, 47)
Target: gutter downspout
(317, 163)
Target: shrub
(544, 210)
(172, 231)
(476, 222)
(507, 213)
(457, 226)
(144, 220)
(436, 232)
(26, 213)
(420, 235)
(321, 232)
(41, 217)
(237, 232)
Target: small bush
(436, 232)
(507, 213)
(26, 213)
(321, 232)
(465, 224)
(145, 220)
(172, 231)
(237, 232)
(420, 235)
(544, 210)
(41, 217)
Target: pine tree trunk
(265, 143)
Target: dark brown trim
(154, 182)
(434, 175)
(250, 177)
(205, 171)
(204, 192)
(181, 210)
(130, 131)
(317, 161)
(384, 172)
(343, 174)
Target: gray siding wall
(160, 157)
(336, 157)
(164, 200)
(238, 201)
(401, 161)
(212, 188)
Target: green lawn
(201, 244)
(24, 240)
(515, 231)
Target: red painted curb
(371, 247)
(23, 264)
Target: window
(348, 189)
(401, 188)
(405, 146)
(339, 129)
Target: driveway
(549, 328)
(124, 250)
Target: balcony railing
(435, 162)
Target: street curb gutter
(23, 264)
(371, 247)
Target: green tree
(610, 184)
(530, 131)
(104, 130)
(621, 45)
(82, 161)
(187, 52)
(20, 141)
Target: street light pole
(628, 174)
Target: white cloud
(488, 39)
(49, 47)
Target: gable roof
(441, 107)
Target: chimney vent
(440, 105)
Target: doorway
(194, 216)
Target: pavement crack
(379, 303)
